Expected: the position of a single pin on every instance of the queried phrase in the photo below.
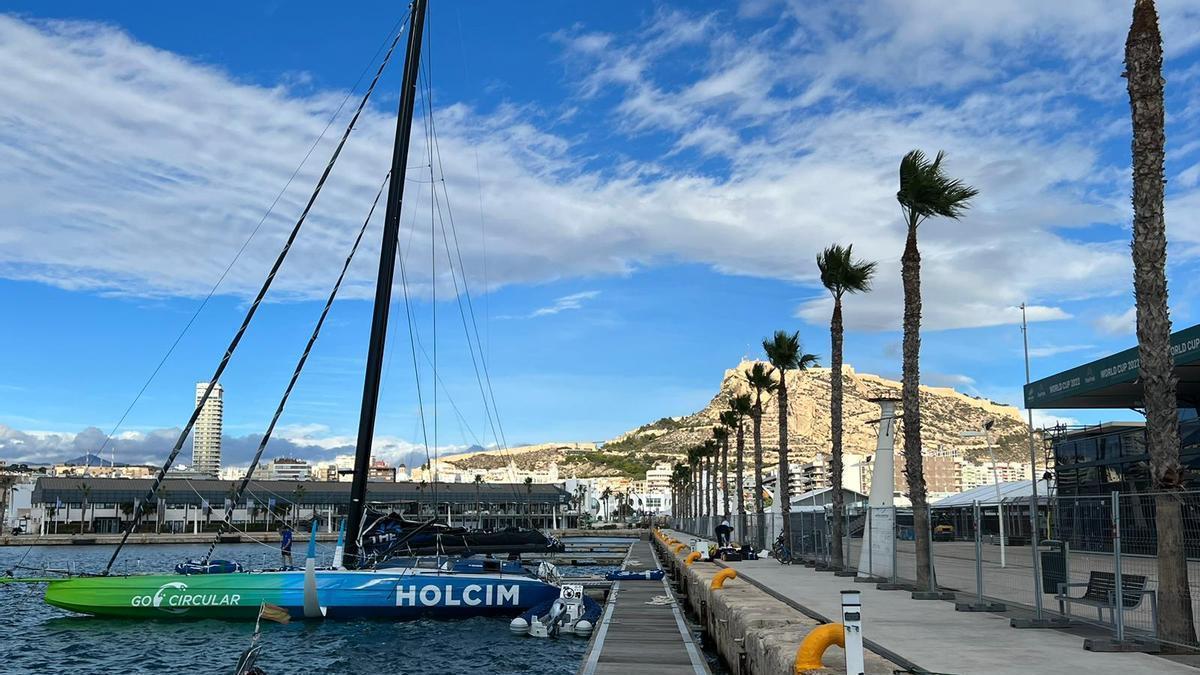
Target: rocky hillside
(945, 414)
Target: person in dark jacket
(724, 530)
(285, 545)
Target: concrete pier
(754, 632)
(760, 616)
(642, 630)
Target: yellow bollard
(719, 580)
(808, 657)
(691, 558)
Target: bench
(1100, 592)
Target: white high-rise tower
(206, 436)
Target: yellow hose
(691, 558)
(808, 657)
(680, 547)
(719, 580)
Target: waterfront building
(193, 505)
(287, 468)
(658, 477)
(206, 435)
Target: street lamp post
(987, 436)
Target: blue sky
(639, 192)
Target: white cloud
(1124, 323)
(1055, 350)
(566, 303)
(1046, 418)
(152, 190)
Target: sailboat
(360, 583)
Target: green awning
(1112, 382)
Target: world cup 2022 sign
(471, 595)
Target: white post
(852, 632)
(879, 542)
(999, 501)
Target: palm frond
(926, 190)
(785, 352)
(841, 273)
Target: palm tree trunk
(835, 410)
(914, 473)
(725, 476)
(712, 484)
(740, 478)
(760, 519)
(1143, 62)
(784, 477)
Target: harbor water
(39, 638)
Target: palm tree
(925, 190)
(1143, 66)
(784, 352)
(721, 435)
(761, 380)
(693, 462)
(604, 496)
(681, 474)
(841, 274)
(529, 499)
(740, 408)
(711, 452)
(478, 507)
(84, 521)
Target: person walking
(285, 545)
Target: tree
(711, 452)
(604, 496)
(693, 462)
(1143, 71)
(740, 408)
(761, 379)
(85, 523)
(478, 507)
(680, 474)
(925, 191)
(841, 274)
(785, 353)
(529, 499)
(126, 510)
(721, 435)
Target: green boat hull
(337, 594)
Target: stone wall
(754, 633)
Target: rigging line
(427, 96)
(458, 297)
(247, 534)
(399, 25)
(262, 444)
(262, 292)
(466, 330)
(479, 188)
(400, 257)
(466, 287)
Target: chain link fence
(1096, 554)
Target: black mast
(383, 287)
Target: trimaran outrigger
(368, 580)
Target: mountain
(945, 414)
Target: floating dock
(642, 630)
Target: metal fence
(1095, 554)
